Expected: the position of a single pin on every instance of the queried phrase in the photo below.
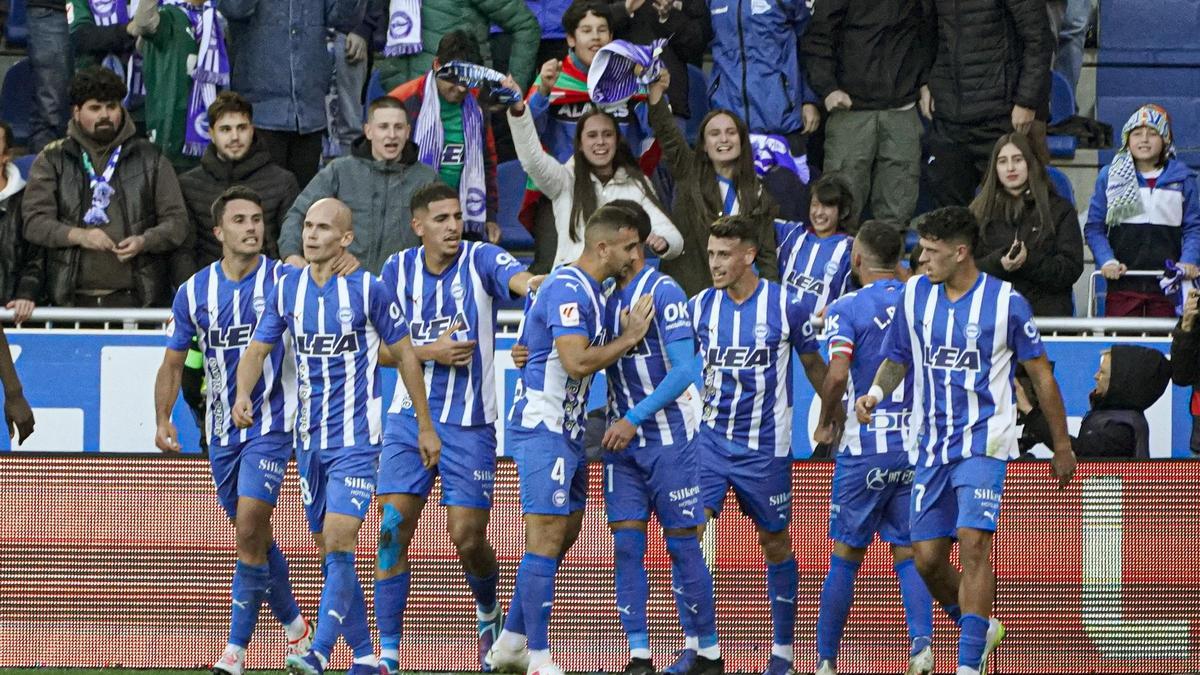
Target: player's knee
(929, 563)
(253, 539)
(974, 548)
(776, 546)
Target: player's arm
(17, 413)
(249, 372)
(833, 388)
(412, 373)
(685, 370)
(523, 283)
(1050, 401)
(580, 358)
(166, 391)
(889, 376)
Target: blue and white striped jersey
(747, 353)
(812, 265)
(222, 315)
(335, 331)
(856, 326)
(569, 302)
(963, 355)
(463, 293)
(636, 374)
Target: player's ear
(417, 228)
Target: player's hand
(811, 116)
(450, 352)
(827, 434)
(1015, 258)
(1022, 118)
(243, 412)
(657, 244)
(493, 231)
(635, 321)
(167, 437)
(1113, 270)
(356, 48)
(658, 88)
(520, 355)
(18, 415)
(21, 309)
(617, 437)
(535, 282)
(549, 74)
(926, 104)
(130, 247)
(1191, 309)
(864, 407)
(837, 99)
(345, 264)
(430, 446)
(1062, 465)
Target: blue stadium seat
(1062, 107)
(16, 31)
(16, 100)
(1062, 184)
(374, 90)
(23, 163)
(1122, 90)
(510, 178)
(697, 101)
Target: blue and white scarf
(114, 13)
(211, 71)
(621, 69)
(404, 28)
(1175, 285)
(429, 136)
(101, 185)
(475, 76)
(771, 150)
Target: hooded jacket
(22, 265)
(147, 202)
(378, 194)
(1116, 424)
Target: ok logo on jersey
(427, 331)
(230, 337)
(952, 358)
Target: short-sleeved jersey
(463, 293)
(335, 331)
(963, 355)
(222, 315)
(856, 325)
(747, 352)
(569, 302)
(812, 265)
(636, 374)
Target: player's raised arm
(580, 358)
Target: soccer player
(336, 326)
(872, 477)
(446, 288)
(220, 306)
(564, 332)
(962, 332)
(747, 328)
(650, 463)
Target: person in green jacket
(406, 57)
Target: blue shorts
(337, 480)
(870, 494)
(467, 464)
(252, 469)
(551, 470)
(663, 477)
(965, 493)
(761, 481)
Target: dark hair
(995, 204)
(740, 227)
(458, 45)
(386, 102)
(638, 213)
(882, 242)
(583, 201)
(232, 194)
(8, 135)
(613, 218)
(951, 223)
(96, 83)
(832, 189)
(914, 258)
(581, 8)
(429, 193)
(752, 198)
(229, 103)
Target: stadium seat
(1062, 108)
(16, 31)
(23, 163)
(1062, 184)
(374, 90)
(510, 178)
(16, 100)
(697, 101)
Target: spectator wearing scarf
(100, 36)
(175, 34)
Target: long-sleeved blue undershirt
(685, 368)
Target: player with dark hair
(220, 306)
(747, 328)
(963, 332)
(872, 477)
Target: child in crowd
(815, 257)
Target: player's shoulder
(397, 259)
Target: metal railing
(1093, 294)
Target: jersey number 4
(558, 472)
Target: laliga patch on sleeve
(568, 313)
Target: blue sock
(633, 588)
(781, 587)
(972, 638)
(535, 577)
(953, 612)
(336, 599)
(279, 593)
(918, 604)
(250, 584)
(357, 632)
(391, 597)
(837, 594)
(694, 599)
(514, 621)
(484, 590)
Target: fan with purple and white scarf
(404, 28)
(115, 13)
(430, 137)
(211, 71)
(621, 69)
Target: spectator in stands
(105, 204)
(1185, 361)
(1130, 379)
(412, 40)
(717, 178)
(281, 64)
(183, 62)
(1071, 32)
(756, 45)
(602, 169)
(455, 136)
(1145, 210)
(867, 60)
(376, 182)
(351, 58)
(553, 45)
(814, 256)
(22, 265)
(991, 76)
(686, 23)
(236, 156)
(100, 34)
(1028, 234)
(50, 60)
